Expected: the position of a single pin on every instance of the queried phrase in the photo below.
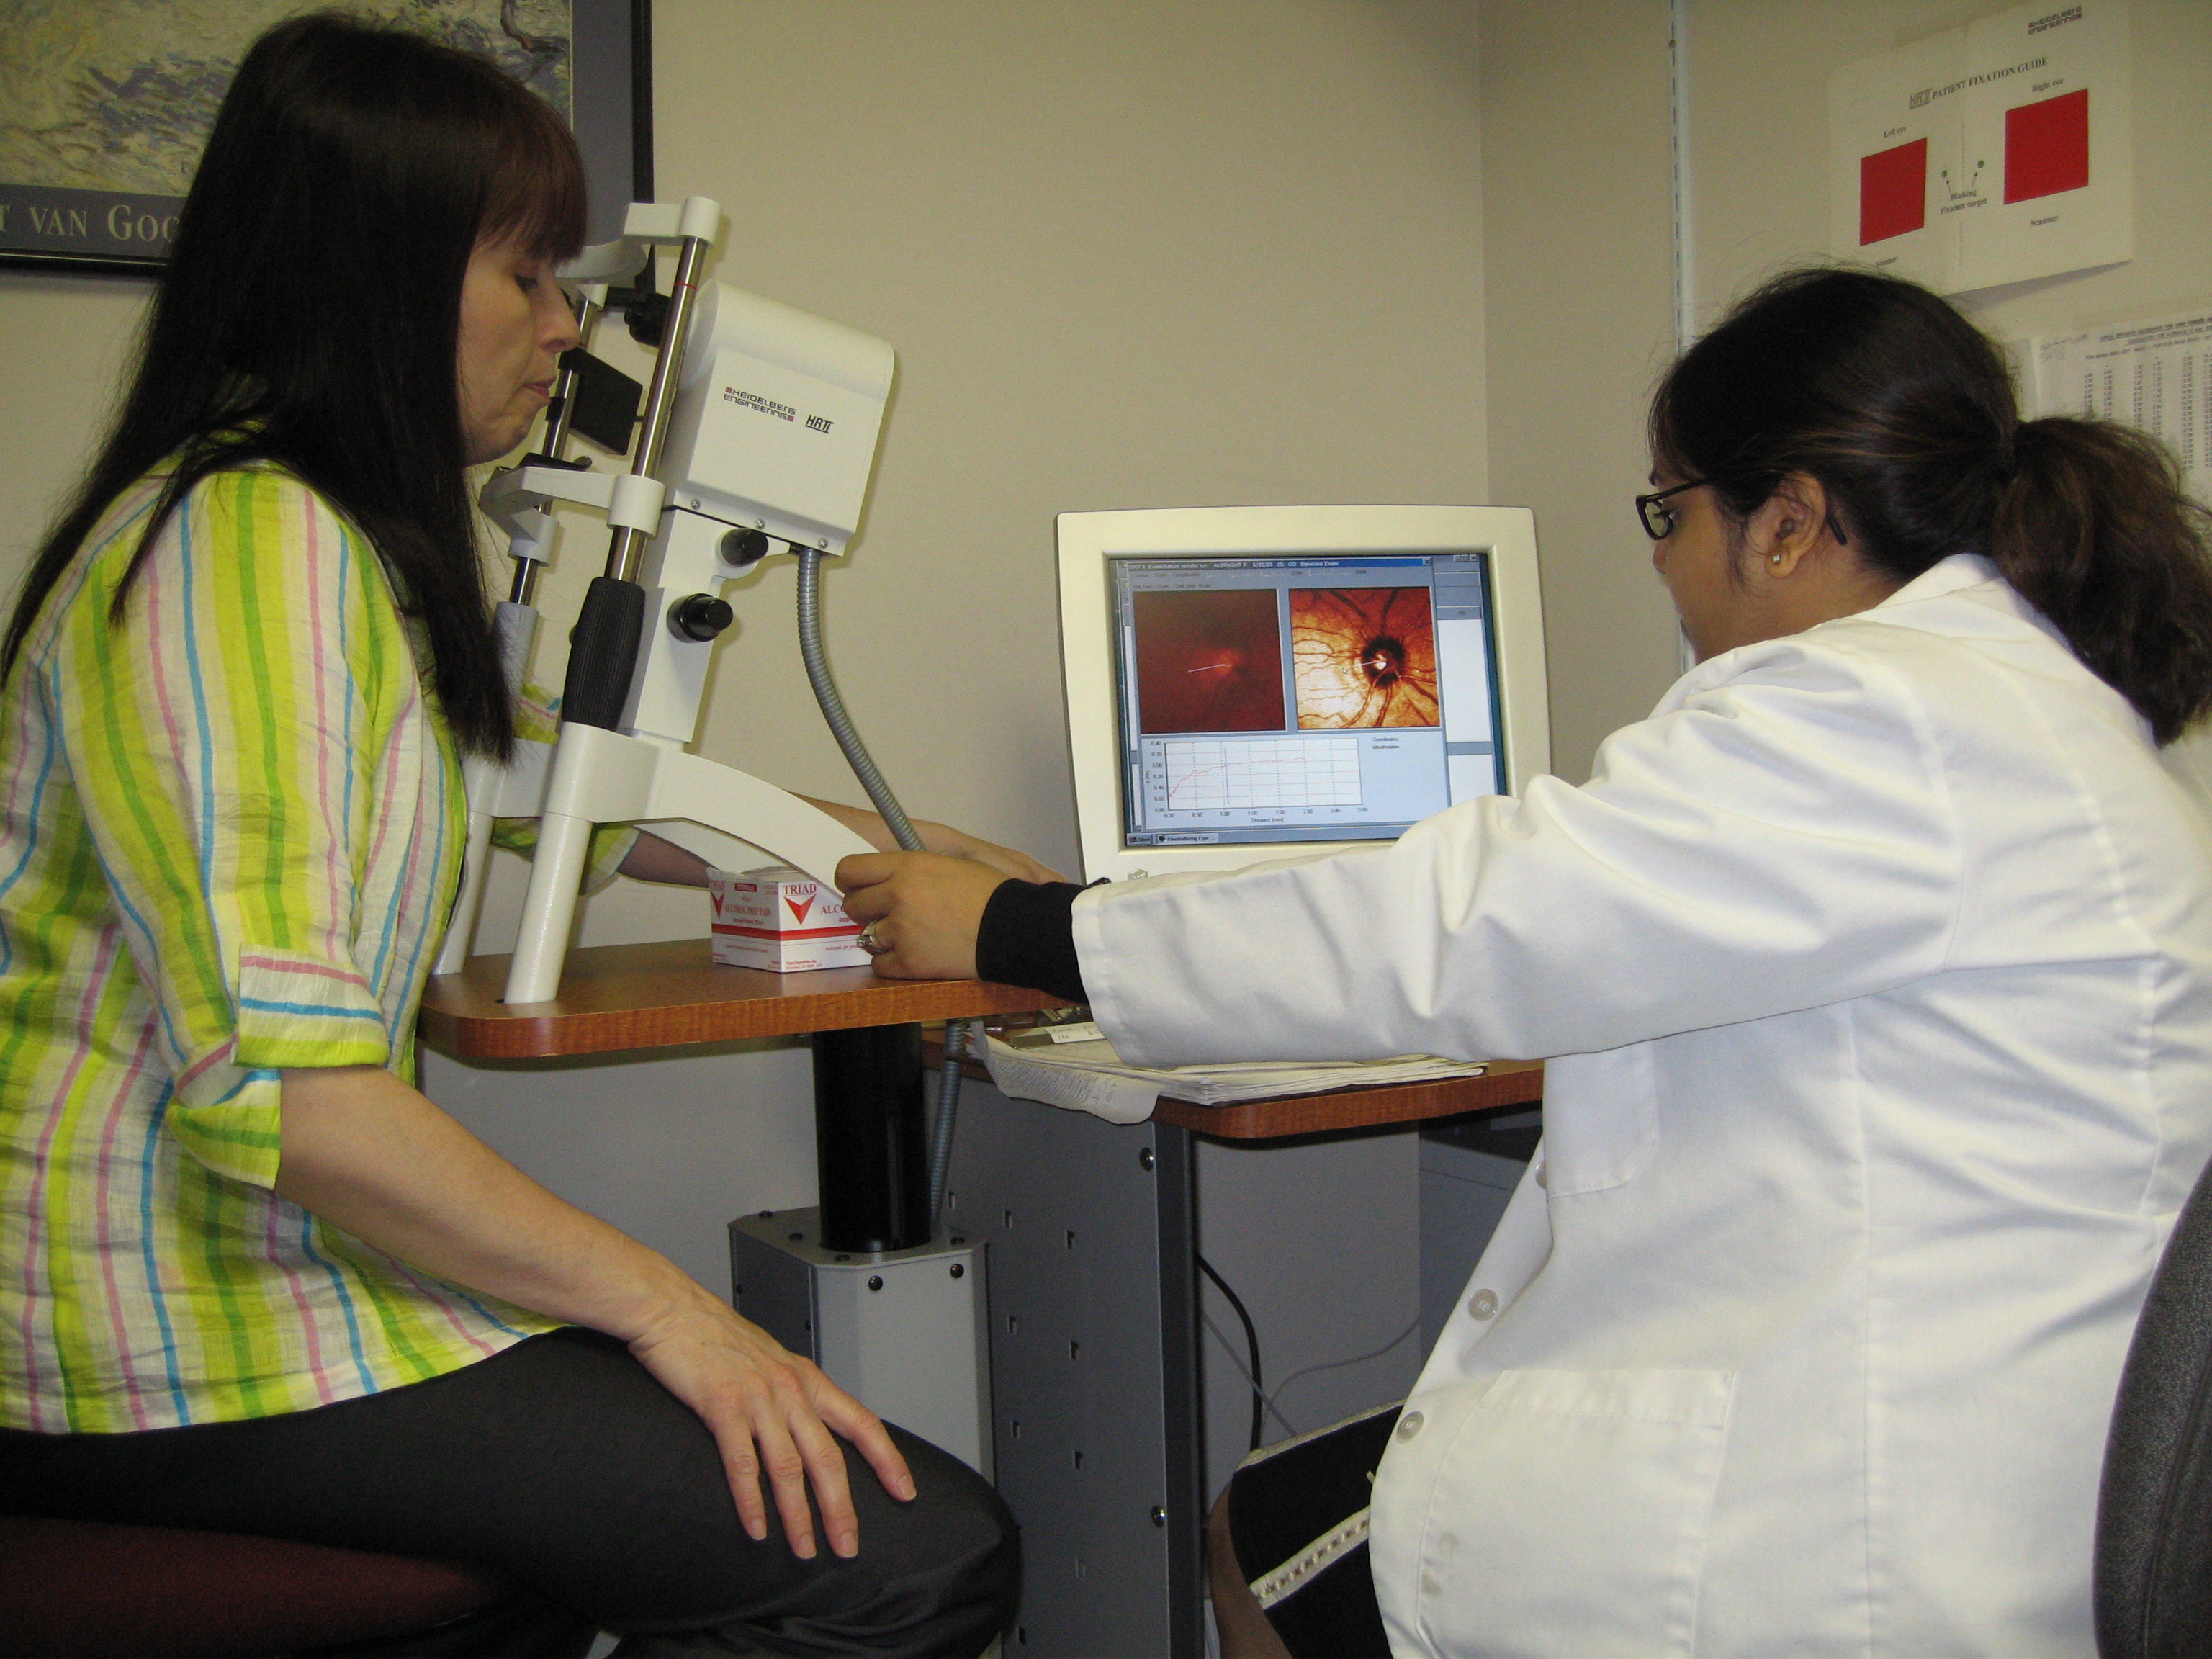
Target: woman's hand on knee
(771, 1412)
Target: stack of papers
(1079, 1069)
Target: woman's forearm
(868, 826)
(652, 859)
(367, 1154)
(937, 838)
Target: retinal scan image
(1364, 656)
(1209, 662)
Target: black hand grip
(602, 652)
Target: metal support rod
(626, 550)
(1176, 1170)
(564, 389)
(871, 1148)
(523, 589)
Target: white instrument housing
(776, 419)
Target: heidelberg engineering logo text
(769, 406)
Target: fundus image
(1364, 656)
(1209, 662)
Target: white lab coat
(1875, 972)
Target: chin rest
(86, 1586)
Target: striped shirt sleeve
(225, 737)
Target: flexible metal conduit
(817, 659)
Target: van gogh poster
(105, 105)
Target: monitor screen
(1305, 697)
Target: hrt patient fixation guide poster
(1991, 153)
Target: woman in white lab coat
(1874, 969)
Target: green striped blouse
(230, 837)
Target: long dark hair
(1903, 411)
(310, 316)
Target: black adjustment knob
(699, 617)
(742, 548)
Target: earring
(1774, 558)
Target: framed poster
(105, 106)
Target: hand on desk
(926, 906)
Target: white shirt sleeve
(1776, 836)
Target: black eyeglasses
(1658, 518)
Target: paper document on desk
(1090, 1076)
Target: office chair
(2153, 1559)
(71, 1588)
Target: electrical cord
(1251, 1344)
(817, 659)
(1275, 1399)
(956, 1032)
(948, 1104)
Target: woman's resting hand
(369, 1154)
(766, 1409)
(926, 906)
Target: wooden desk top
(672, 993)
(1507, 1083)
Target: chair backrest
(2154, 1561)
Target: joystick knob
(742, 548)
(699, 617)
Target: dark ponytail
(310, 313)
(1905, 413)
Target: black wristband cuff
(1028, 938)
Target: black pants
(1296, 1522)
(562, 1464)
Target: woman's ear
(1789, 527)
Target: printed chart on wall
(2154, 374)
(1989, 154)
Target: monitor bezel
(1087, 541)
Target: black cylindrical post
(602, 652)
(868, 1137)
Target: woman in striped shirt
(251, 1281)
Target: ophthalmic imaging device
(757, 438)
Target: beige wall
(62, 341)
(1578, 289)
(1145, 252)
(1129, 254)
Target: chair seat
(73, 1588)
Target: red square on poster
(1892, 192)
(2047, 146)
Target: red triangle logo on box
(798, 908)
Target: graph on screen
(1199, 774)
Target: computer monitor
(1249, 682)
